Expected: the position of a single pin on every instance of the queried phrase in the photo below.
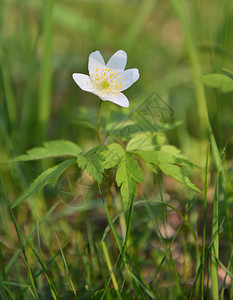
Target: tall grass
(163, 246)
(44, 106)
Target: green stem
(215, 246)
(44, 105)
(98, 124)
(204, 224)
(110, 268)
(118, 240)
(185, 246)
(129, 221)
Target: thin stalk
(26, 262)
(185, 246)
(204, 224)
(215, 247)
(111, 213)
(65, 265)
(98, 124)
(110, 269)
(224, 280)
(215, 232)
(44, 267)
(132, 277)
(117, 238)
(44, 106)
(129, 221)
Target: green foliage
(155, 157)
(225, 82)
(128, 174)
(176, 173)
(146, 141)
(51, 175)
(51, 149)
(96, 160)
(166, 162)
(93, 164)
(112, 155)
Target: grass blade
(44, 267)
(35, 295)
(13, 259)
(215, 247)
(45, 79)
(66, 267)
(110, 268)
(215, 233)
(204, 222)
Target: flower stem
(98, 124)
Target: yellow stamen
(105, 85)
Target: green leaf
(177, 153)
(155, 157)
(51, 149)
(128, 173)
(218, 81)
(112, 155)
(146, 141)
(165, 161)
(93, 163)
(51, 175)
(177, 173)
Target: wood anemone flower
(107, 81)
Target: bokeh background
(172, 43)
(44, 42)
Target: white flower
(107, 81)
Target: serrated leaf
(177, 153)
(51, 175)
(218, 81)
(112, 155)
(146, 141)
(176, 173)
(97, 149)
(60, 148)
(93, 164)
(155, 157)
(166, 163)
(128, 173)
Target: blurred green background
(44, 42)
(172, 43)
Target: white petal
(127, 78)
(96, 63)
(117, 98)
(83, 81)
(118, 61)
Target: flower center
(105, 85)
